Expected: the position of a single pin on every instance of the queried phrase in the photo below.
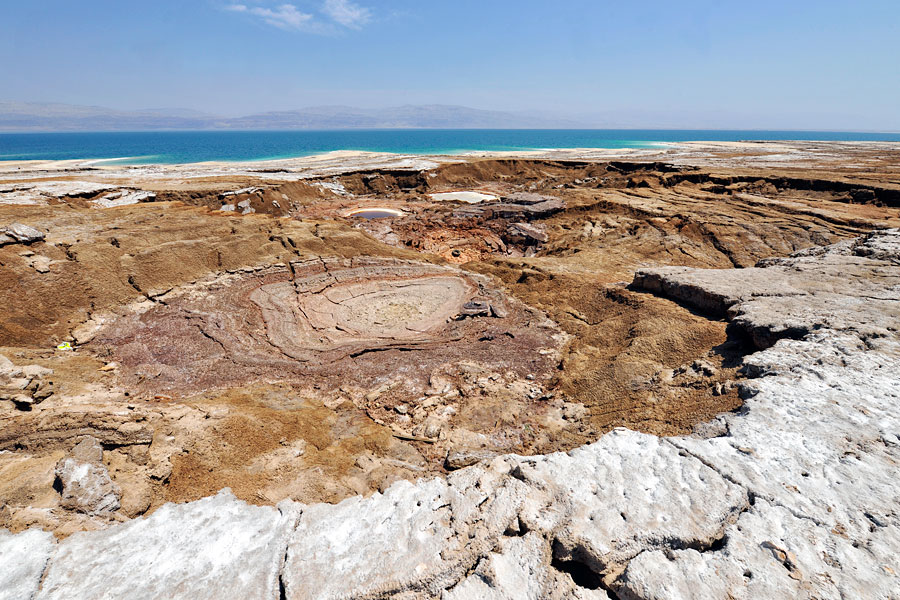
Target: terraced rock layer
(326, 320)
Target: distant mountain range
(29, 116)
(35, 117)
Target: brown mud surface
(244, 332)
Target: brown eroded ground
(285, 350)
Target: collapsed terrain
(250, 330)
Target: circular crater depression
(316, 314)
(327, 321)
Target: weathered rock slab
(520, 568)
(850, 286)
(770, 554)
(218, 547)
(22, 561)
(626, 493)
(17, 233)
(85, 484)
(403, 532)
(585, 506)
(425, 535)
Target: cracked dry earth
(668, 378)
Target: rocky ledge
(794, 496)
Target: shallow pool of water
(375, 213)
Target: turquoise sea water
(172, 147)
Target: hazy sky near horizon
(826, 64)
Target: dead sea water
(175, 147)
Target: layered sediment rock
(793, 496)
(322, 318)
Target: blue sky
(694, 63)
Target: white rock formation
(246, 190)
(23, 558)
(520, 569)
(17, 233)
(333, 186)
(85, 484)
(218, 547)
(40, 193)
(796, 497)
(468, 197)
(124, 198)
(850, 286)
